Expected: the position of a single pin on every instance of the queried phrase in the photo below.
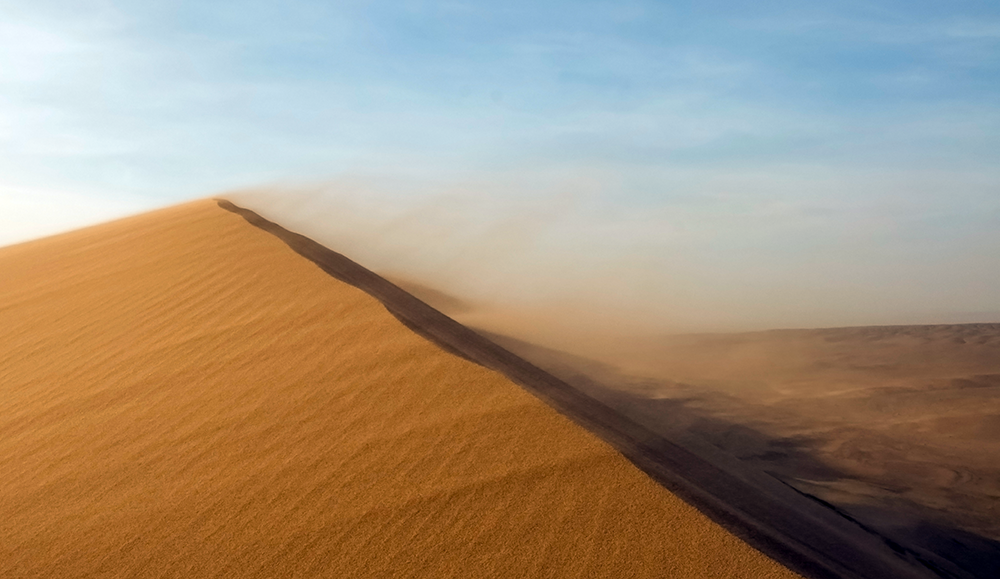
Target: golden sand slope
(183, 396)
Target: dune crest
(184, 396)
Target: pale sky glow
(772, 125)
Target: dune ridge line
(813, 540)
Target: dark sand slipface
(897, 427)
(183, 396)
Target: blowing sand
(184, 396)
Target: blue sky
(773, 125)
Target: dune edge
(828, 546)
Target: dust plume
(571, 259)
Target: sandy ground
(183, 396)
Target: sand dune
(184, 396)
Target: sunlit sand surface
(181, 395)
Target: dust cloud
(559, 258)
(573, 260)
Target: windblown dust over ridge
(816, 541)
(894, 426)
(696, 262)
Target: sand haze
(700, 261)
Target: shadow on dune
(812, 537)
(908, 528)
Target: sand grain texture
(183, 396)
